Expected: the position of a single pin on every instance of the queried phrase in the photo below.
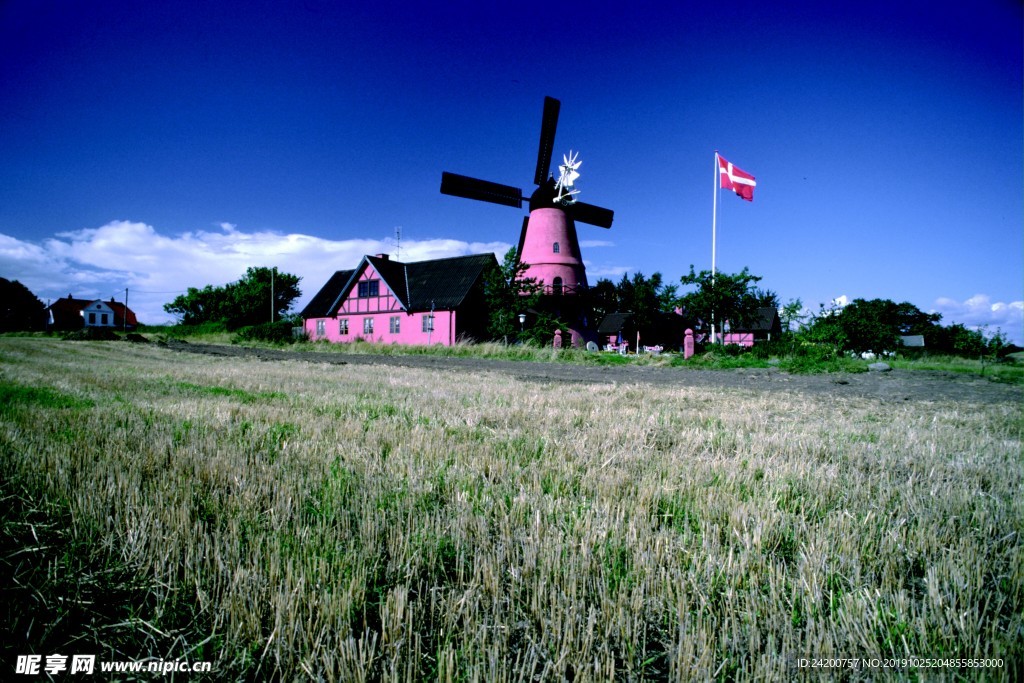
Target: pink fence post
(688, 344)
(558, 339)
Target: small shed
(615, 329)
(764, 325)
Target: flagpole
(714, 227)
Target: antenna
(398, 242)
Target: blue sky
(157, 146)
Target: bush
(181, 331)
(810, 357)
(279, 332)
(91, 334)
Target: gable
(368, 290)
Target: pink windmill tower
(548, 244)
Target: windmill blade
(590, 214)
(522, 239)
(547, 139)
(474, 188)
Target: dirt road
(888, 386)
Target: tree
(792, 313)
(651, 302)
(507, 294)
(603, 299)
(241, 303)
(871, 325)
(20, 309)
(727, 296)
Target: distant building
(74, 314)
(424, 302)
(615, 330)
(763, 326)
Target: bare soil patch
(917, 385)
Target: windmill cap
(544, 196)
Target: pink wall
(741, 338)
(410, 328)
(381, 310)
(546, 227)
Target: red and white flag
(732, 178)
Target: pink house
(764, 326)
(425, 302)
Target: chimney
(384, 257)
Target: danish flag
(732, 178)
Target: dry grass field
(298, 521)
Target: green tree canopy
(20, 309)
(871, 325)
(237, 304)
(727, 296)
(649, 299)
(507, 294)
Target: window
(556, 286)
(103, 319)
(320, 328)
(428, 322)
(343, 326)
(368, 288)
(395, 325)
(92, 318)
(367, 325)
(556, 248)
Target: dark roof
(70, 305)
(614, 323)
(765, 319)
(319, 306)
(444, 283)
(119, 309)
(441, 284)
(64, 313)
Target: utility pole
(124, 321)
(273, 270)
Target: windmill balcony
(558, 290)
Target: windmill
(547, 242)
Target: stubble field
(294, 520)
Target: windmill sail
(547, 139)
(483, 190)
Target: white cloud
(613, 273)
(591, 244)
(155, 267)
(980, 311)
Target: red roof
(66, 314)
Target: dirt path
(889, 386)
